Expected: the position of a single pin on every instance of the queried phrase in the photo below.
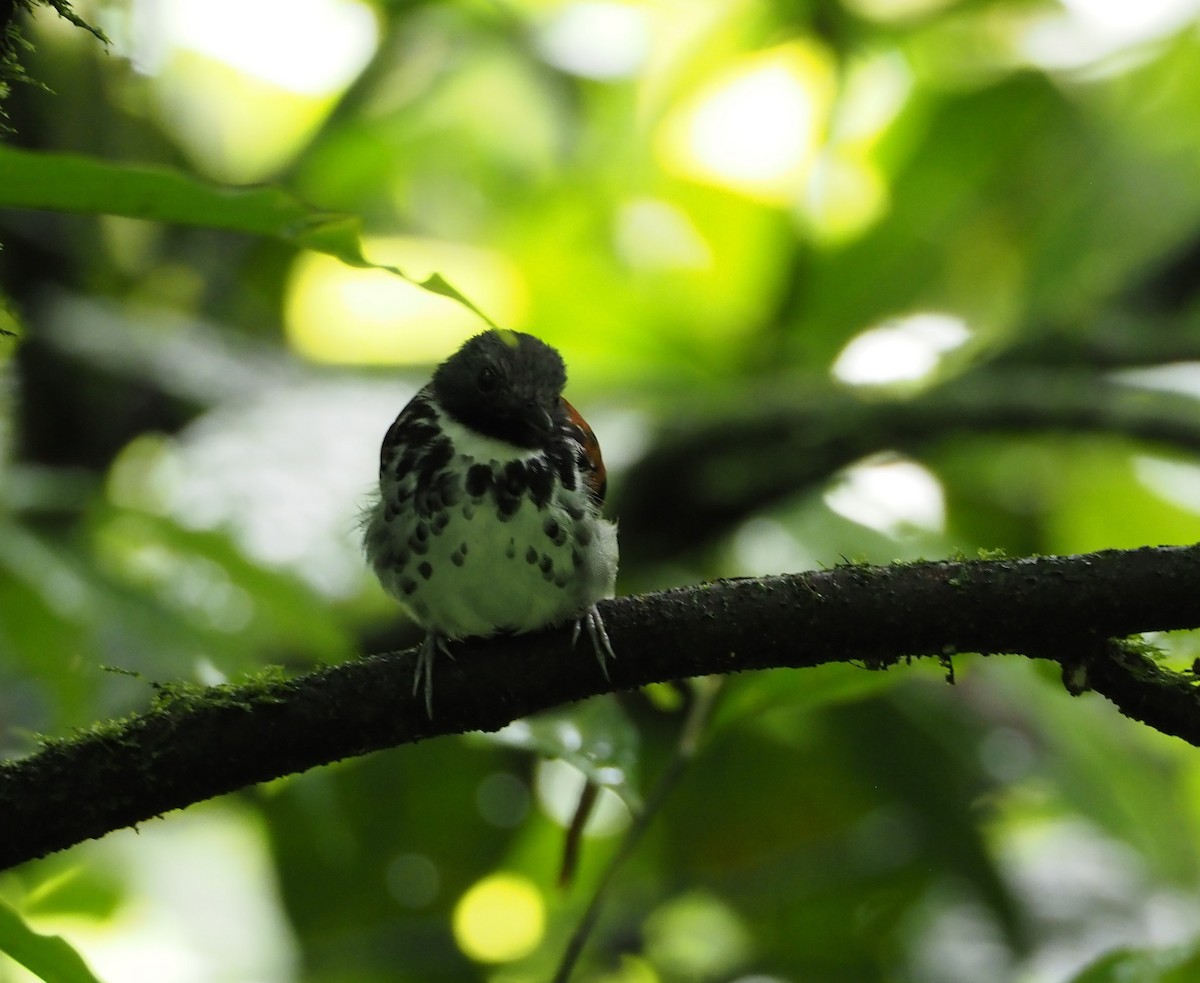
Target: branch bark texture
(196, 743)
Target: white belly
(475, 574)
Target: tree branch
(195, 743)
(715, 472)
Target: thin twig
(705, 692)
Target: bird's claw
(423, 673)
(601, 645)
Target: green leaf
(48, 957)
(72, 183)
(1187, 969)
(595, 736)
(1127, 965)
(784, 697)
(285, 612)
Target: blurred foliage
(699, 204)
(13, 42)
(51, 958)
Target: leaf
(286, 613)
(775, 697)
(595, 736)
(1129, 965)
(72, 183)
(1186, 970)
(48, 957)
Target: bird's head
(504, 384)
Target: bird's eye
(487, 380)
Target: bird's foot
(594, 623)
(423, 674)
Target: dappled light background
(714, 210)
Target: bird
(489, 514)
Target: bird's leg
(601, 645)
(423, 674)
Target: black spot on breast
(418, 541)
(436, 457)
(427, 497)
(439, 522)
(511, 550)
(583, 534)
(531, 555)
(421, 503)
(541, 482)
(546, 563)
(408, 585)
(411, 431)
(406, 463)
(563, 462)
(449, 489)
(459, 556)
(479, 480)
(425, 570)
(412, 420)
(468, 512)
(576, 558)
(555, 532)
(516, 478)
(509, 490)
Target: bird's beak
(545, 422)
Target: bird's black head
(503, 384)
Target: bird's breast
(474, 538)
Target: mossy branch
(197, 743)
